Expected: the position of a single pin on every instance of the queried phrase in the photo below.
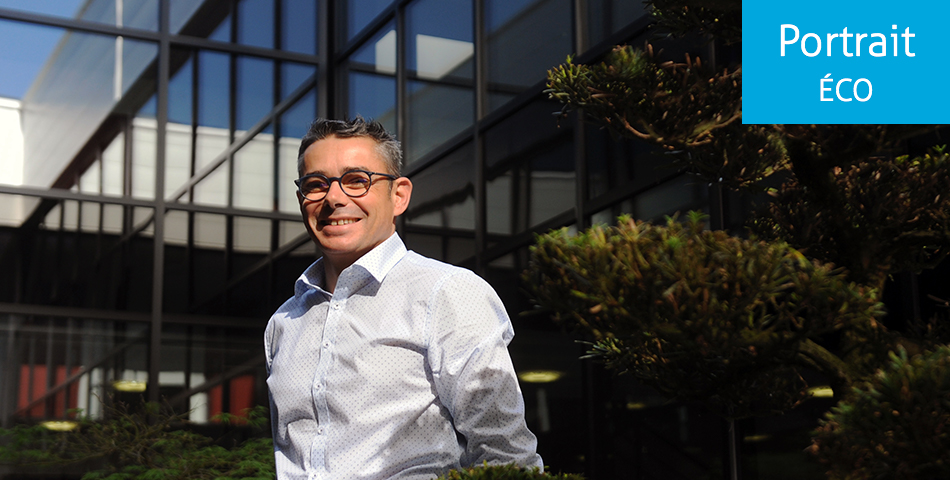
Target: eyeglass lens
(354, 184)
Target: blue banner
(831, 61)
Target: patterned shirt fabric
(402, 372)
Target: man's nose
(335, 194)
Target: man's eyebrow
(347, 169)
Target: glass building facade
(152, 226)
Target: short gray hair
(386, 144)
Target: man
(384, 364)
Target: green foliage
(698, 314)
(681, 107)
(883, 216)
(716, 18)
(505, 472)
(146, 444)
(894, 426)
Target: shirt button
(318, 386)
(336, 306)
(320, 431)
(326, 344)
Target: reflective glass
(14, 209)
(36, 349)
(254, 166)
(525, 38)
(443, 195)
(144, 139)
(256, 23)
(251, 234)
(440, 52)
(210, 143)
(373, 96)
(213, 89)
(532, 192)
(289, 232)
(292, 76)
(293, 125)
(528, 127)
(379, 54)
(84, 77)
(24, 50)
(613, 163)
(299, 26)
(178, 134)
(255, 91)
(553, 184)
(113, 157)
(181, 11)
(605, 17)
(436, 113)
(428, 245)
(440, 39)
(359, 13)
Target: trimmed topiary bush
(894, 426)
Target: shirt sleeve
(469, 332)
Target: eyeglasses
(355, 183)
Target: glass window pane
(294, 124)
(144, 139)
(373, 96)
(358, 14)
(84, 76)
(299, 26)
(605, 17)
(613, 163)
(552, 184)
(112, 216)
(255, 91)
(443, 194)
(213, 89)
(113, 167)
(251, 234)
(254, 174)
(210, 230)
(89, 181)
(209, 144)
(256, 23)
(379, 54)
(292, 76)
(525, 39)
(436, 113)
(90, 216)
(440, 39)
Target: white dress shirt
(402, 372)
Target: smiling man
(384, 364)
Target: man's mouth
(336, 223)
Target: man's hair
(387, 146)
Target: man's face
(345, 227)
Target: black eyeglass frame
(339, 180)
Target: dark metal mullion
(158, 262)
(278, 91)
(402, 116)
(193, 165)
(68, 365)
(50, 402)
(326, 69)
(478, 140)
(232, 129)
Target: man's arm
(469, 335)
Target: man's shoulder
(436, 273)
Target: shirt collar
(377, 263)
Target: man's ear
(401, 192)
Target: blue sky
(24, 48)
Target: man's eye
(315, 185)
(355, 180)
